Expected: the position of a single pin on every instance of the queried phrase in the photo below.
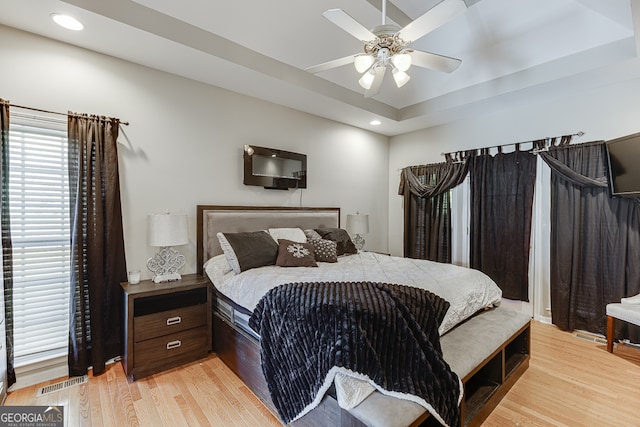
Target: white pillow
(293, 234)
(229, 253)
(217, 267)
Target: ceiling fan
(387, 45)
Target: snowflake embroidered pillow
(295, 254)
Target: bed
(486, 346)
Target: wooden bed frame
(485, 385)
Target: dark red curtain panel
(427, 208)
(97, 243)
(502, 189)
(595, 242)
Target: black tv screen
(623, 155)
(271, 168)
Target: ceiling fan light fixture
(367, 79)
(388, 46)
(400, 77)
(402, 61)
(363, 62)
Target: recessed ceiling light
(375, 122)
(66, 21)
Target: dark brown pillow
(325, 250)
(295, 254)
(248, 250)
(341, 237)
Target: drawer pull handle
(174, 344)
(174, 320)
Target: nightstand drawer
(169, 322)
(161, 350)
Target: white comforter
(465, 289)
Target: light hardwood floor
(570, 382)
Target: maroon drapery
(98, 259)
(595, 242)
(502, 189)
(7, 246)
(427, 208)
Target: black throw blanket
(386, 332)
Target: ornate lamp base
(358, 240)
(165, 265)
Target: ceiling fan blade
(348, 24)
(331, 64)
(434, 61)
(377, 82)
(435, 17)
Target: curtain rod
(51, 112)
(579, 134)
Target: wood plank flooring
(570, 382)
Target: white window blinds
(39, 209)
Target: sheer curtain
(7, 251)
(595, 241)
(427, 208)
(502, 188)
(540, 255)
(98, 258)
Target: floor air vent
(62, 385)
(591, 338)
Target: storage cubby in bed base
(487, 384)
(480, 387)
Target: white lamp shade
(400, 77)
(167, 230)
(362, 62)
(367, 80)
(358, 224)
(402, 61)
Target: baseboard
(38, 372)
(46, 370)
(542, 319)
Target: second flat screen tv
(623, 155)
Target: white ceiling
(510, 49)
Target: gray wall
(184, 143)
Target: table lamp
(165, 231)
(358, 224)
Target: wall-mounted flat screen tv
(272, 168)
(623, 155)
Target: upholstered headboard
(213, 219)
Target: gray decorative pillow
(341, 237)
(312, 234)
(325, 250)
(295, 254)
(248, 250)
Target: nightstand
(166, 324)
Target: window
(433, 217)
(40, 232)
